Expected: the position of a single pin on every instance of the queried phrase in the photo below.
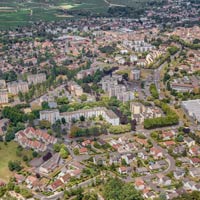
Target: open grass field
(7, 153)
(15, 13)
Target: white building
(3, 96)
(53, 115)
(36, 78)
(16, 87)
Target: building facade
(16, 87)
(53, 115)
(36, 78)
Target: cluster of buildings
(112, 86)
(141, 112)
(15, 87)
(139, 45)
(87, 72)
(54, 115)
(185, 84)
(34, 139)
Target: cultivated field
(14, 13)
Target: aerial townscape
(100, 100)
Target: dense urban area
(102, 106)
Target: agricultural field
(7, 153)
(15, 13)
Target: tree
(116, 189)
(63, 121)
(90, 196)
(45, 105)
(82, 118)
(44, 124)
(83, 97)
(14, 166)
(35, 154)
(56, 147)
(63, 153)
(10, 186)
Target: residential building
(74, 88)
(3, 96)
(135, 75)
(53, 115)
(16, 87)
(50, 165)
(36, 78)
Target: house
(155, 166)
(194, 150)
(115, 159)
(143, 155)
(129, 158)
(142, 170)
(169, 143)
(86, 143)
(141, 141)
(197, 186)
(163, 180)
(83, 150)
(123, 170)
(149, 194)
(50, 165)
(189, 185)
(99, 160)
(139, 184)
(171, 195)
(162, 163)
(179, 150)
(194, 172)
(65, 178)
(55, 185)
(167, 135)
(30, 180)
(184, 160)
(189, 141)
(157, 153)
(179, 173)
(75, 173)
(195, 161)
(19, 178)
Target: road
(157, 74)
(114, 5)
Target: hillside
(21, 12)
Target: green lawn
(7, 153)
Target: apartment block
(36, 78)
(17, 86)
(3, 96)
(53, 115)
